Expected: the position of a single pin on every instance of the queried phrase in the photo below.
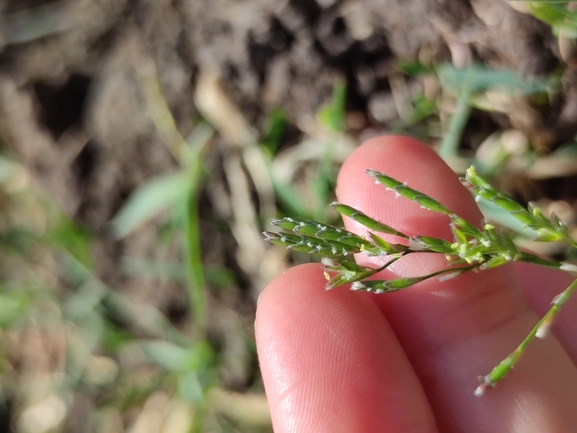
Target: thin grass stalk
(540, 330)
(193, 263)
(452, 137)
(322, 183)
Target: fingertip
(410, 160)
(285, 292)
(330, 362)
(392, 153)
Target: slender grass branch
(458, 121)
(540, 331)
(194, 274)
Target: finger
(540, 286)
(458, 329)
(331, 363)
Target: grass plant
(558, 14)
(472, 249)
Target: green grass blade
(152, 198)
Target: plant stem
(193, 264)
(450, 142)
(539, 331)
(545, 323)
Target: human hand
(407, 362)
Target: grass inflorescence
(472, 249)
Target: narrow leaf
(153, 197)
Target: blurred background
(146, 144)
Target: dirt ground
(75, 77)
(71, 76)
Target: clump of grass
(472, 249)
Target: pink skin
(407, 362)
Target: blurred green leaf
(168, 355)
(467, 82)
(566, 150)
(83, 303)
(333, 115)
(17, 239)
(413, 68)
(276, 125)
(8, 169)
(481, 78)
(191, 389)
(155, 196)
(556, 14)
(140, 268)
(73, 239)
(500, 216)
(214, 275)
(35, 23)
(13, 305)
(219, 276)
(452, 137)
(113, 337)
(422, 108)
(196, 358)
(290, 199)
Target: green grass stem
(539, 331)
(452, 137)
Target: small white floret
(416, 245)
(357, 285)
(543, 330)
(569, 267)
(329, 262)
(449, 276)
(480, 390)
